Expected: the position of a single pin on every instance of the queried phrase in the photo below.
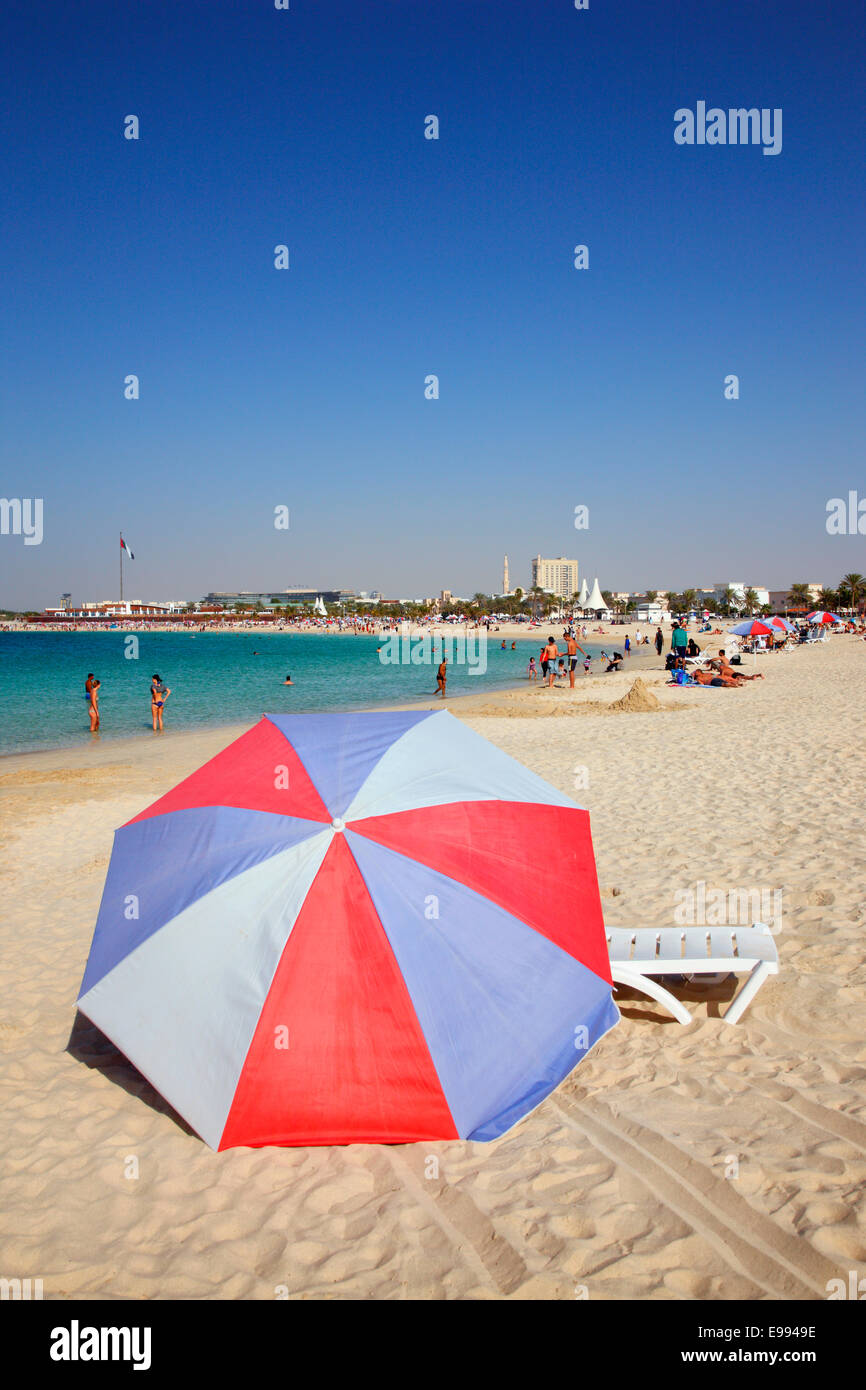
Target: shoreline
(468, 703)
(494, 688)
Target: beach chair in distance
(638, 957)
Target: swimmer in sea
(159, 693)
(288, 681)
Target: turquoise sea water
(214, 679)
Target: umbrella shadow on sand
(88, 1044)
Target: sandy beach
(706, 1162)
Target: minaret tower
(506, 587)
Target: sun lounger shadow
(632, 1002)
(89, 1045)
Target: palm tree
(688, 598)
(750, 599)
(536, 593)
(855, 585)
(481, 602)
(798, 596)
(651, 595)
(828, 598)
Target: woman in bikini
(91, 695)
(159, 693)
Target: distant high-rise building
(506, 587)
(557, 576)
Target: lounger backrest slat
(723, 942)
(697, 943)
(620, 943)
(755, 944)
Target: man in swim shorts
(441, 677)
(551, 652)
(572, 647)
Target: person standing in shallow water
(441, 677)
(159, 693)
(91, 695)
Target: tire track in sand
(750, 1243)
(493, 1258)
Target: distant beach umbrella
(819, 616)
(753, 628)
(780, 624)
(340, 930)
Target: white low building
(719, 593)
(651, 613)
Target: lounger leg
(646, 984)
(743, 999)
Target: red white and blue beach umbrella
(753, 627)
(780, 624)
(353, 928)
(825, 619)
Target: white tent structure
(583, 600)
(595, 603)
(319, 607)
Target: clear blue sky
(409, 256)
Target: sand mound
(639, 700)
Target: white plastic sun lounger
(637, 957)
(699, 663)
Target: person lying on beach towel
(726, 677)
(724, 668)
(707, 678)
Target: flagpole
(121, 567)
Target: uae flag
(125, 547)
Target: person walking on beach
(660, 641)
(91, 695)
(531, 669)
(159, 693)
(441, 677)
(572, 646)
(627, 647)
(679, 641)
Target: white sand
(617, 1184)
